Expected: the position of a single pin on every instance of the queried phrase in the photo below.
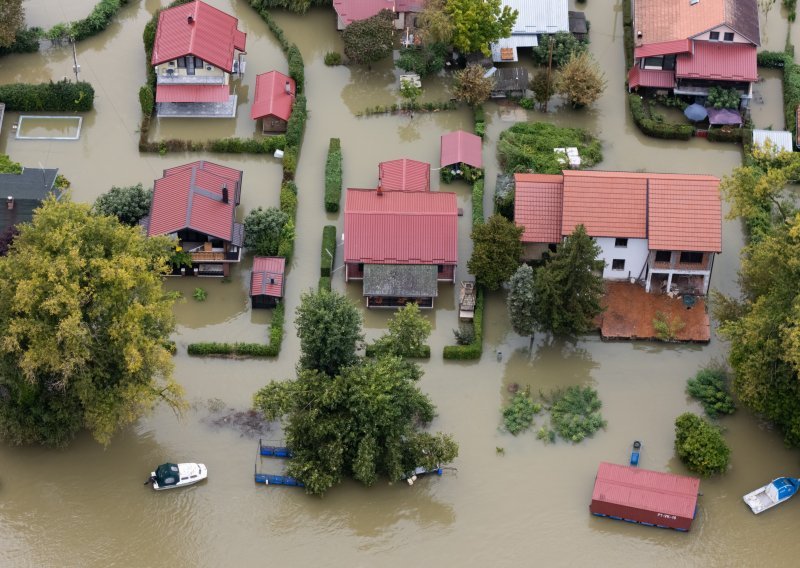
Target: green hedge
(289, 162)
(328, 252)
(272, 349)
(97, 20)
(266, 145)
(735, 135)
(62, 96)
(791, 93)
(297, 122)
(296, 67)
(146, 100)
(288, 204)
(477, 203)
(424, 352)
(324, 283)
(333, 176)
(474, 349)
(654, 128)
(26, 41)
(480, 120)
(627, 32)
(772, 59)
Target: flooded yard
(86, 506)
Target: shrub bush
(333, 176)
(61, 96)
(654, 128)
(424, 352)
(324, 283)
(575, 414)
(518, 415)
(97, 20)
(700, 445)
(333, 58)
(297, 122)
(477, 202)
(474, 349)
(710, 387)
(26, 41)
(272, 349)
(146, 100)
(772, 59)
(296, 67)
(528, 146)
(328, 252)
(289, 162)
(727, 134)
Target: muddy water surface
(85, 506)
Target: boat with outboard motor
(171, 475)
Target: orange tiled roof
(685, 213)
(538, 199)
(669, 20)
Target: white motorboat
(774, 492)
(171, 475)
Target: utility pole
(75, 66)
(549, 68)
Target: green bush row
(333, 176)
(772, 59)
(474, 349)
(654, 128)
(272, 349)
(293, 55)
(61, 96)
(735, 135)
(431, 106)
(479, 117)
(297, 122)
(423, 353)
(477, 203)
(288, 204)
(791, 93)
(328, 252)
(97, 20)
(266, 145)
(324, 283)
(25, 41)
(627, 32)
(290, 155)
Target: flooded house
(535, 20)
(660, 230)
(196, 203)
(401, 244)
(273, 101)
(686, 47)
(23, 193)
(508, 82)
(404, 175)
(461, 147)
(267, 281)
(194, 56)
(349, 11)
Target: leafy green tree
(262, 230)
(12, 19)
(710, 387)
(477, 23)
(7, 166)
(542, 87)
(580, 81)
(362, 422)
(410, 91)
(408, 332)
(423, 60)
(521, 302)
(370, 40)
(496, 252)
(85, 323)
(329, 328)
(435, 25)
(471, 86)
(128, 204)
(700, 445)
(567, 290)
(575, 413)
(564, 45)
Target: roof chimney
(380, 191)
(190, 19)
(10, 202)
(288, 88)
(224, 193)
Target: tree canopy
(84, 322)
(408, 332)
(471, 86)
(700, 445)
(521, 301)
(128, 204)
(564, 45)
(496, 252)
(263, 229)
(477, 23)
(580, 81)
(435, 25)
(567, 289)
(12, 19)
(370, 40)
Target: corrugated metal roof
(685, 213)
(510, 45)
(190, 196)
(540, 16)
(667, 20)
(781, 139)
(401, 280)
(192, 93)
(267, 276)
(211, 35)
(719, 61)
(663, 48)
(404, 175)
(538, 200)
(400, 227)
(461, 147)
(658, 78)
(655, 491)
(350, 11)
(271, 97)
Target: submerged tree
(435, 24)
(128, 204)
(521, 302)
(471, 86)
(263, 229)
(700, 445)
(12, 19)
(370, 40)
(84, 322)
(477, 23)
(581, 82)
(408, 332)
(496, 252)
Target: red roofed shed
(643, 496)
(461, 147)
(404, 175)
(273, 101)
(267, 281)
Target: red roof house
(461, 147)
(197, 202)
(687, 47)
(648, 226)
(349, 11)
(274, 97)
(400, 243)
(404, 175)
(193, 54)
(267, 281)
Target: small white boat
(774, 492)
(170, 475)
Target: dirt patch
(249, 423)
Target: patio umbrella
(724, 116)
(695, 112)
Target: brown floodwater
(86, 506)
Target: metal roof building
(534, 17)
(461, 147)
(781, 139)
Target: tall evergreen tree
(496, 251)
(521, 302)
(567, 290)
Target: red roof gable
(608, 204)
(461, 147)
(538, 200)
(685, 213)
(404, 175)
(400, 227)
(719, 61)
(350, 11)
(271, 98)
(211, 35)
(659, 78)
(192, 93)
(266, 279)
(190, 197)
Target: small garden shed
(273, 101)
(266, 281)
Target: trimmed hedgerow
(474, 349)
(423, 353)
(146, 100)
(288, 204)
(477, 203)
(333, 176)
(98, 19)
(654, 128)
(726, 134)
(25, 41)
(324, 283)
(60, 96)
(297, 122)
(266, 145)
(272, 349)
(328, 252)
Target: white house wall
(634, 255)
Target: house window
(728, 36)
(181, 63)
(669, 63)
(663, 256)
(439, 268)
(552, 247)
(691, 257)
(618, 264)
(654, 62)
(713, 36)
(621, 243)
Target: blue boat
(637, 446)
(775, 492)
(412, 476)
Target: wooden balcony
(675, 264)
(204, 256)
